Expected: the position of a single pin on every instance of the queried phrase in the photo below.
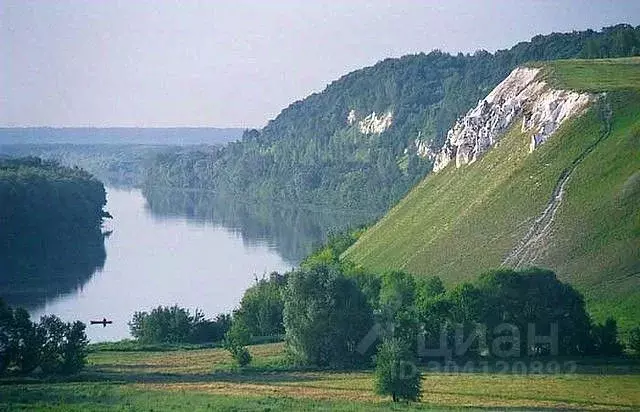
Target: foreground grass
(207, 380)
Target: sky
(237, 63)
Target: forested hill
(51, 239)
(369, 136)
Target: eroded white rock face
(351, 118)
(423, 149)
(549, 111)
(544, 110)
(374, 124)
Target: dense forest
(50, 220)
(367, 138)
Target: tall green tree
(262, 305)
(325, 317)
(535, 298)
(398, 295)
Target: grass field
(461, 222)
(596, 76)
(205, 379)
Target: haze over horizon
(236, 64)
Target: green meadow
(206, 379)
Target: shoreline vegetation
(51, 237)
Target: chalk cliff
(522, 94)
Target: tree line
(51, 219)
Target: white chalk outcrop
(372, 124)
(423, 149)
(351, 118)
(520, 94)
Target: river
(188, 248)
(154, 260)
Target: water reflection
(34, 271)
(294, 231)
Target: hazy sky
(236, 63)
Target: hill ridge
(460, 222)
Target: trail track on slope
(534, 241)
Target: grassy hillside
(461, 222)
(206, 380)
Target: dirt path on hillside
(535, 240)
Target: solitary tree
(396, 373)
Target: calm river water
(169, 247)
(163, 259)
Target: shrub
(634, 340)
(74, 350)
(239, 353)
(26, 342)
(176, 325)
(605, 338)
(262, 305)
(396, 373)
(53, 332)
(235, 340)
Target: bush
(53, 331)
(53, 345)
(262, 305)
(25, 342)
(209, 330)
(235, 340)
(396, 373)
(605, 339)
(176, 325)
(534, 296)
(634, 340)
(239, 353)
(74, 350)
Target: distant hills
(119, 135)
(570, 205)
